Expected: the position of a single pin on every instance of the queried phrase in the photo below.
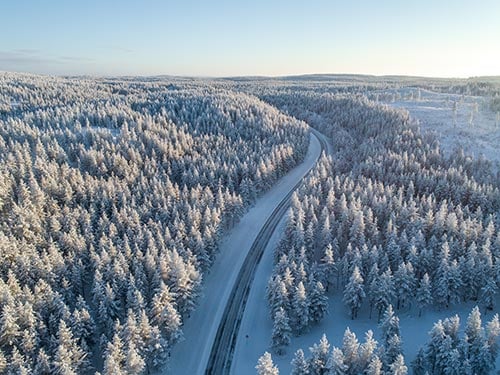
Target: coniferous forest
(116, 194)
(388, 221)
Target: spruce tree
(318, 307)
(354, 293)
(300, 305)
(299, 364)
(398, 367)
(319, 357)
(336, 364)
(424, 294)
(265, 365)
(281, 332)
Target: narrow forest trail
(192, 355)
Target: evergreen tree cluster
(353, 357)
(114, 194)
(388, 218)
(448, 352)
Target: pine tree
(442, 288)
(319, 357)
(3, 362)
(299, 364)
(398, 366)
(392, 350)
(278, 296)
(69, 357)
(405, 284)
(474, 337)
(265, 365)
(418, 365)
(375, 366)
(328, 266)
(424, 294)
(350, 348)
(301, 308)
(354, 293)
(281, 332)
(18, 363)
(134, 364)
(389, 325)
(492, 334)
(165, 315)
(367, 351)
(114, 357)
(42, 363)
(455, 282)
(382, 289)
(9, 328)
(318, 307)
(488, 293)
(335, 364)
(453, 364)
(82, 323)
(435, 347)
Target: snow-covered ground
(258, 325)
(472, 126)
(191, 355)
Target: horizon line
(249, 76)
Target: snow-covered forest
(114, 195)
(387, 219)
(446, 352)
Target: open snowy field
(458, 120)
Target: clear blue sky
(252, 37)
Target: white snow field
(190, 356)
(472, 126)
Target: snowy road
(255, 323)
(227, 333)
(191, 356)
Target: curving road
(225, 340)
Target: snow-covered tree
(424, 293)
(354, 292)
(265, 365)
(281, 332)
(299, 364)
(398, 366)
(318, 305)
(319, 357)
(335, 364)
(300, 304)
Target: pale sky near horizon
(442, 38)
